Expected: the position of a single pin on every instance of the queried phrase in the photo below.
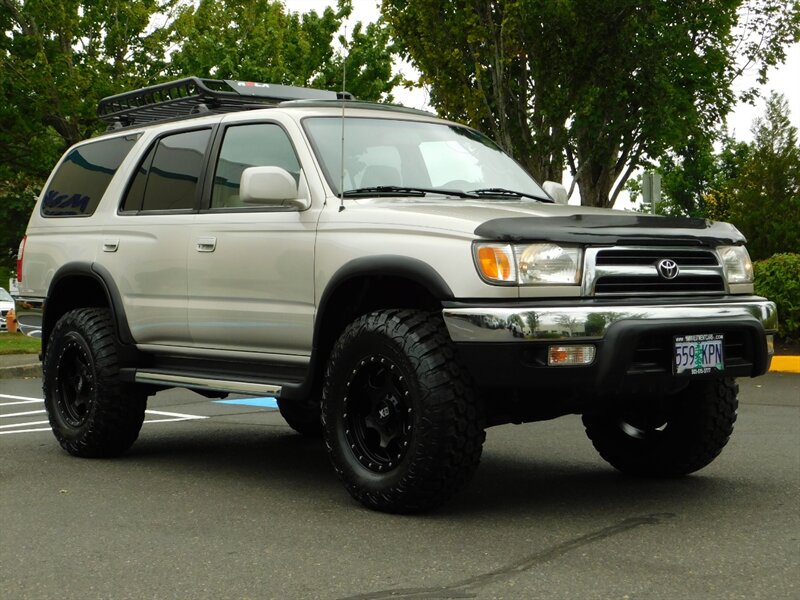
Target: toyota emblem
(667, 268)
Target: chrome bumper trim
(575, 323)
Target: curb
(21, 371)
(785, 364)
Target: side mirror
(270, 186)
(556, 191)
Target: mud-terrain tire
(671, 437)
(92, 413)
(304, 417)
(403, 425)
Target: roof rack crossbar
(191, 96)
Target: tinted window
(84, 175)
(167, 178)
(255, 145)
(133, 199)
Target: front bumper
(505, 345)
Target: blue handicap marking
(261, 402)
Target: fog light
(770, 345)
(570, 355)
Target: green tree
(696, 180)
(604, 86)
(766, 198)
(259, 40)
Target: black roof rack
(194, 96)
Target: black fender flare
(103, 277)
(391, 265)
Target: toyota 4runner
(395, 280)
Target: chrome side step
(202, 383)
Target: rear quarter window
(83, 177)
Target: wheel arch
(82, 285)
(361, 286)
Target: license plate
(698, 354)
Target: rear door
(146, 243)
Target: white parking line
(21, 402)
(23, 425)
(21, 398)
(25, 430)
(173, 417)
(22, 414)
(15, 427)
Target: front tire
(667, 437)
(402, 424)
(91, 412)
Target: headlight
(529, 264)
(737, 264)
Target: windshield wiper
(504, 193)
(402, 190)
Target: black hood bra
(622, 229)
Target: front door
(251, 278)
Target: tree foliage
(601, 85)
(766, 195)
(696, 180)
(755, 186)
(258, 40)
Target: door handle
(110, 245)
(207, 244)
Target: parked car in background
(6, 305)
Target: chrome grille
(631, 271)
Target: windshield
(5, 296)
(431, 156)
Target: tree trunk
(594, 184)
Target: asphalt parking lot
(225, 501)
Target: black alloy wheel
(378, 417)
(75, 381)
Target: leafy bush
(778, 278)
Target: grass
(17, 343)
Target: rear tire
(679, 435)
(403, 426)
(92, 413)
(304, 418)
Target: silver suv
(395, 280)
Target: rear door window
(168, 177)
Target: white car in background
(6, 305)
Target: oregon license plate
(698, 354)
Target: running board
(201, 383)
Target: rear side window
(168, 176)
(83, 176)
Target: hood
(520, 221)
